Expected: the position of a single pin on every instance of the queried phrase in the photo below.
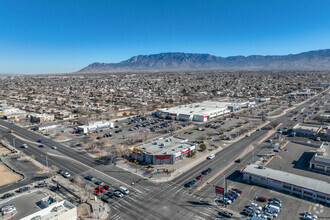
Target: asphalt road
(168, 200)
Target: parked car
(124, 190)
(40, 185)
(96, 192)
(89, 177)
(60, 172)
(100, 188)
(7, 195)
(23, 189)
(262, 199)
(106, 187)
(227, 201)
(106, 198)
(99, 182)
(118, 193)
(211, 156)
(189, 184)
(66, 174)
(110, 194)
(7, 209)
(275, 199)
(25, 146)
(237, 190)
(226, 214)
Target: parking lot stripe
(309, 208)
(251, 188)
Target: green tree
(202, 147)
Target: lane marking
(250, 148)
(251, 188)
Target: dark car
(89, 177)
(226, 214)
(262, 199)
(191, 183)
(106, 198)
(60, 172)
(23, 189)
(237, 190)
(40, 141)
(42, 146)
(40, 185)
(110, 194)
(238, 161)
(7, 195)
(205, 172)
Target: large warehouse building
(304, 187)
(200, 112)
(163, 151)
(95, 126)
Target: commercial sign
(185, 151)
(163, 157)
(219, 189)
(172, 114)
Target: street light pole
(14, 142)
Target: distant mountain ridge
(312, 60)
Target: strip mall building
(163, 151)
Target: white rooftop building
(304, 187)
(98, 125)
(321, 159)
(201, 111)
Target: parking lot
(291, 206)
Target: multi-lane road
(168, 200)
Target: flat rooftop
(307, 127)
(29, 203)
(168, 145)
(25, 204)
(201, 108)
(293, 179)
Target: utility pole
(47, 161)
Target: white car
(248, 135)
(25, 146)
(54, 147)
(124, 190)
(256, 206)
(66, 174)
(118, 193)
(7, 209)
(211, 156)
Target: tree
(274, 124)
(202, 147)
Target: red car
(200, 177)
(96, 192)
(262, 199)
(106, 187)
(100, 188)
(237, 190)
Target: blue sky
(55, 36)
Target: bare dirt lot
(7, 176)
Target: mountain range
(311, 60)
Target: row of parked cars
(269, 211)
(107, 196)
(231, 196)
